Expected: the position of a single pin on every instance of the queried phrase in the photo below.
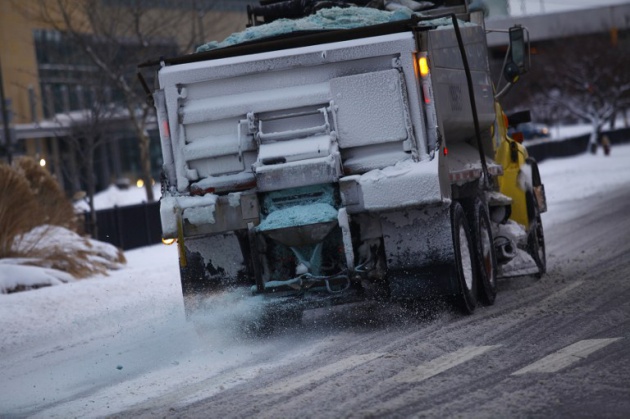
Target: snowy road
(550, 347)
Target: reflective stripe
(472, 174)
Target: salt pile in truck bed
(325, 19)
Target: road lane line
(561, 293)
(566, 356)
(441, 364)
(319, 374)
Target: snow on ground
(572, 181)
(13, 274)
(116, 197)
(569, 131)
(562, 132)
(150, 275)
(98, 346)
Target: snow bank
(56, 255)
(115, 197)
(574, 181)
(48, 239)
(14, 275)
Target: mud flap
(210, 264)
(419, 252)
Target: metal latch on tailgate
(288, 126)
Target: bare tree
(87, 132)
(118, 35)
(584, 76)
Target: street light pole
(5, 118)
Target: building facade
(54, 93)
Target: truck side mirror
(517, 62)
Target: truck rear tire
(465, 272)
(486, 260)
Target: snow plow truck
(350, 153)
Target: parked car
(532, 130)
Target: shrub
(55, 207)
(19, 211)
(38, 222)
(58, 248)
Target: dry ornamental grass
(17, 206)
(54, 207)
(38, 222)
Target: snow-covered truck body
(328, 166)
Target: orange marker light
(424, 66)
(518, 137)
(445, 151)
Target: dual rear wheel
(475, 260)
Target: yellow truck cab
(522, 184)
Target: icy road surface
(557, 346)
